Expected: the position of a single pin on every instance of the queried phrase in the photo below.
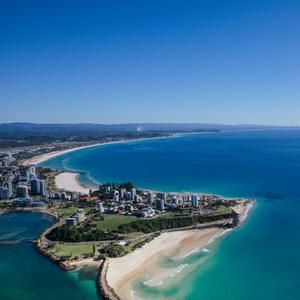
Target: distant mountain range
(21, 129)
(26, 134)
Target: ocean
(27, 275)
(260, 259)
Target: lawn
(221, 209)
(72, 250)
(63, 212)
(111, 222)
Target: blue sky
(150, 61)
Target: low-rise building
(147, 212)
(100, 207)
(80, 216)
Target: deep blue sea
(259, 260)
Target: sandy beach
(44, 157)
(70, 182)
(144, 263)
(90, 262)
(123, 271)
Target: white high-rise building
(160, 204)
(150, 198)
(32, 170)
(43, 188)
(164, 196)
(35, 186)
(9, 186)
(175, 200)
(133, 193)
(195, 202)
(128, 195)
(4, 193)
(116, 196)
(22, 191)
(180, 201)
(122, 193)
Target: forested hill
(13, 134)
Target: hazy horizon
(150, 123)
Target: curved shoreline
(116, 274)
(184, 241)
(49, 155)
(82, 187)
(70, 181)
(103, 283)
(103, 287)
(35, 160)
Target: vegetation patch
(159, 224)
(84, 233)
(72, 251)
(112, 222)
(63, 211)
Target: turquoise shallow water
(26, 275)
(259, 260)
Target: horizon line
(148, 123)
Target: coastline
(69, 181)
(24, 209)
(118, 274)
(123, 271)
(66, 265)
(35, 160)
(237, 252)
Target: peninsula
(123, 230)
